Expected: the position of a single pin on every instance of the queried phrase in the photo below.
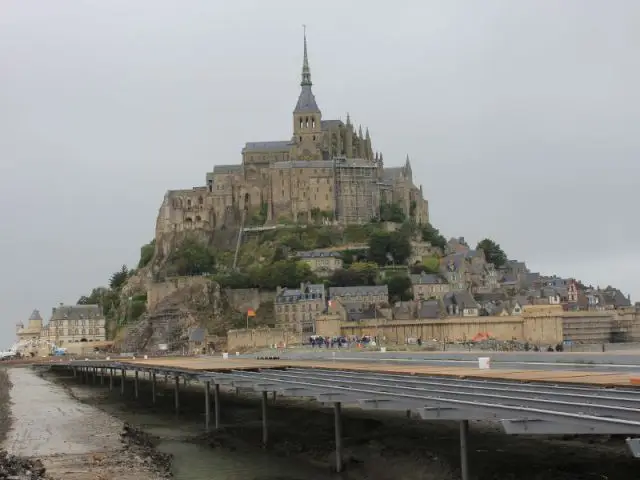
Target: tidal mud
(72, 440)
(378, 446)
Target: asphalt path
(593, 362)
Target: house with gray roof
(426, 286)
(364, 295)
(296, 309)
(461, 304)
(322, 262)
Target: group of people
(341, 342)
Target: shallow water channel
(193, 461)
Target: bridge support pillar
(123, 376)
(176, 394)
(111, 379)
(75, 373)
(136, 382)
(95, 375)
(337, 419)
(153, 387)
(464, 450)
(265, 430)
(207, 405)
(102, 376)
(216, 399)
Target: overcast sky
(521, 118)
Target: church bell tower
(307, 129)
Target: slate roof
(273, 146)
(226, 169)
(358, 291)
(306, 101)
(329, 124)
(317, 254)
(461, 298)
(293, 295)
(429, 309)
(35, 315)
(75, 312)
(355, 312)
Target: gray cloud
(521, 119)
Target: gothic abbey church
(326, 171)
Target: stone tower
(307, 129)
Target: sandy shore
(379, 446)
(73, 441)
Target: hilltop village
(316, 235)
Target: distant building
(75, 323)
(296, 310)
(323, 263)
(364, 295)
(427, 286)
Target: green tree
(359, 273)
(191, 258)
(432, 235)
(96, 297)
(389, 247)
(492, 252)
(428, 265)
(399, 288)
(118, 278)
(283, 273)
(146, 253)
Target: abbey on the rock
(326, 170)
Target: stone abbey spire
(306, 100)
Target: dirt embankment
(381, 446)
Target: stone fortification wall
(242, 339)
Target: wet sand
(74, 441)
(380, 446)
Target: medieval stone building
(327, 170)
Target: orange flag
(251, 313)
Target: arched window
(188, 220)
(200, 200)
(301, 123)
(198, 219)
(306, 122)
(313, 122)
(188, 202)
(247, 199)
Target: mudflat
(73, 440)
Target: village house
(455, 269)
(461, 304)
(364, 295)
(427, 286)
(322, 263)
(297, 309)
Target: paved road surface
(594, 362)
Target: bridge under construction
(530, 402)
